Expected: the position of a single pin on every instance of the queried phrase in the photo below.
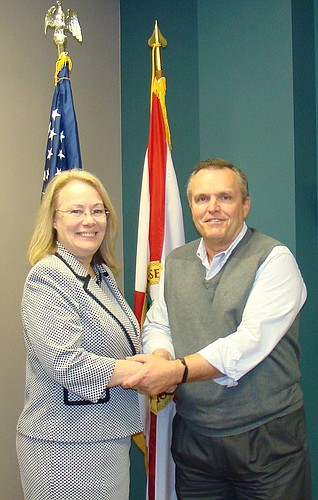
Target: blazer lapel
(95, 291)
(110, 282)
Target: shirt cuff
(225, 359)
(150, 346)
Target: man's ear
(247, 206)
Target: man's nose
(213, 205)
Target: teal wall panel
(246, 102)
(258, 109)
(241, 84)
(178, 24)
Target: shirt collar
(221, 257)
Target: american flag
(63, 147)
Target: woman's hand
(124, 369)
(157, 375)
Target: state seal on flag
(154, 271)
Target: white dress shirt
(277, 295)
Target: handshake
(153, 373)
(158, 373)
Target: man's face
(217, 206)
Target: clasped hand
(156, 376)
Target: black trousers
(270, 462)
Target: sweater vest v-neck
(201, 311)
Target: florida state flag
(160, 230)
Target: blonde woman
(74, 432)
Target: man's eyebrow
(220, 193)
(229, 191)
(197, 195)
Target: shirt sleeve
(277, 295)
(156, 330)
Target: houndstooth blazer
(75, 327)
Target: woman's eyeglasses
(78, 213)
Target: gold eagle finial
(55, 18)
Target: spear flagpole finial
(158, 81)
(55, 18)
(156, 41)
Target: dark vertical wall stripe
(305, 88)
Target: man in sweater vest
(224, 336)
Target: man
(229, 308)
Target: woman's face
(80, 236)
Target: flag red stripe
(139, 301)
(152, 457)
(157, 158)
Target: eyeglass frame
(84, 214)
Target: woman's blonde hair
(43, 239)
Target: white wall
(26, 89)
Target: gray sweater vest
(201, 311)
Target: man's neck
(213, 248)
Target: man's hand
(157, 375)
(160, 373)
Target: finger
(141, 358)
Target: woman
(74, 432)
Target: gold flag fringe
(140, 441)
(62, 61)
(160, 402)
(158, 87)
(157, 403)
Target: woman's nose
(88, 218)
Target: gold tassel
(140, 441)
(63, 59)
(158, 87)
